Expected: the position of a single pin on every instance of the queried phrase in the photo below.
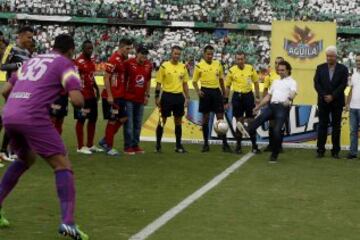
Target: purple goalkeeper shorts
(44, 140)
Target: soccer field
(299, 198)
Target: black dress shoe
(273, 158)
(227, 148)
(180, 149)
(335, 155)
(158, 149)
(255, 150)
(238, 149)
(351, 156)
(320, 155)
(205, 148)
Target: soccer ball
(221, 127)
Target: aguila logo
(303, 44)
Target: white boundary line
(170, 214)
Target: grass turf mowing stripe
(167, 216)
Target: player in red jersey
(90, 90)
(138, 79)
(114, 105)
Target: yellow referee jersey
(208, 74)
(172, 77)
(270, 78)
(241, 80)
(6, 53)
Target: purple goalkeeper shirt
(36, 85)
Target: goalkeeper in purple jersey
(30, 92)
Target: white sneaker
(84, 150)
(2, 165)
(113, 152)
(13, 156)
(95, 149)
(5, 157)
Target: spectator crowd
(346, 12)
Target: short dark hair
(239, 53)
(125, 42)
(25, 29)
(64, 43)
(279, 57)
(142, 49)
(209, 47)
(287, 65)
(176, 47)
(86, 42)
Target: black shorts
(243, 103)
(59, 108)
(212, 101)
(89, 111)
(172, 103)
(115, 111)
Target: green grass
(116, 196)
(299, 198)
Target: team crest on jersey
(303, 44)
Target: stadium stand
(231, 11)
(255, 44)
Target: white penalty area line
(170, 214)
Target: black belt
(241, 93)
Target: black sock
(238, 137)
(159, 133)
(178, 133)
(224, 139)
(205, 130)
(5, 143)
(253, 141)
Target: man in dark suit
(330, 82)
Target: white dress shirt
(355, 84)
(281, 89)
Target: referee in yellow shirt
(210, 73)
(241, 78)
(172, 78)
(269, 79)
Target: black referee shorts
(89, 111)
(212, 101)
(243, 103)
(59, 108)
(172, 103)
